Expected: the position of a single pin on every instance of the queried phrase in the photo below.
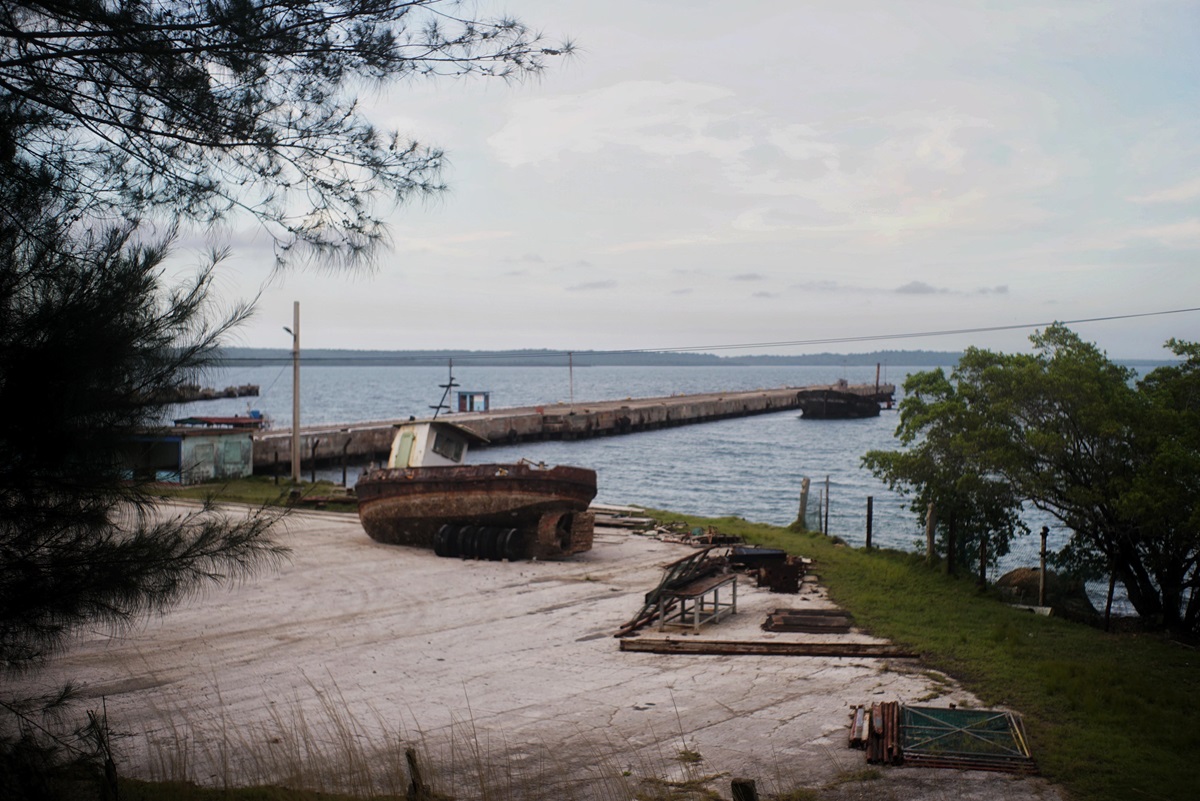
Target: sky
(793, 177)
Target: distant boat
(833, 404)
(428, 498)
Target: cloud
(1177, 193)
(764, 294)
(455, 244)
(747, 277)
(919, 288)
(528, 258)
(663, 244)
(993, 290)
(592, 286)
(826, 286)
(657, 117)
(1180, 234)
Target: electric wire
(533, 353)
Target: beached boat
(427, 497)
(832, 404)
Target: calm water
(749, 467)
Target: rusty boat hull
(492, 511)
(830, 404)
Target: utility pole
(295, 332)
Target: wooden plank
(765, 648)
(694, 589)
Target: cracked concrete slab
(516, 662)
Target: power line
(910, 335)
(558, 354)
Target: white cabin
(431, 444)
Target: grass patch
(857, 776)
(133, 790)
(266, 491)
(1110, 716)
(798, 794)
(695, 789)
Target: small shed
(474, 401)
(431, 443)
(191, 454)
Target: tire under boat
(487, 511)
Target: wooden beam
(761, 648)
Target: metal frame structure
(972, 739)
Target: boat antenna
(445, 393)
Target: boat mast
(445, 393)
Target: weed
(797, 794)
(855, 776)
(695, 789)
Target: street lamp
(295, 332)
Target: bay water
(749, 467)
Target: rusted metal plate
(814, 621)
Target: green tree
(122, 121)
(90, 342)
(1115, 460)
(1164, 494)
(976, 514)
(194, 109)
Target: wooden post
(295, 332)
(418, 790)
(983, 550)
(743, 790)
(802, 519)
(1042, 569)
(345, 459)
(952, 535)
(313, 467)
(826, 506)
(1112, 586)
(870, 515)
(930, 530)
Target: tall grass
(328, 755)
(331, 753)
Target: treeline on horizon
(248, 357)
(253, 357)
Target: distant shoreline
(255, 357)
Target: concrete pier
(357, 443)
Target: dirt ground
(493, 668)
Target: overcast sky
(714, 173)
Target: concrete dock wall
(358, 443)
